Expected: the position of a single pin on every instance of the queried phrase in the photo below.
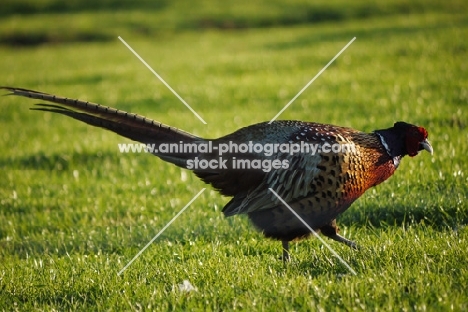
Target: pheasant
(318, 185)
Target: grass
(74, 211)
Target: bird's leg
(285, 251)
(331, 230)
(344, 240)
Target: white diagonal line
(313, 79)
(160, 232)
(162, 80)
(313, 232)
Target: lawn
(74, 211)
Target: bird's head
(415, 138)
(405, 139)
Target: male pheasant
(318, 185)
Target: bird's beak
(427, 146)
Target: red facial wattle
(414, 137)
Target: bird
(316, 185)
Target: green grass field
(74, 211)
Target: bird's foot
(345, 241)
(331, 230)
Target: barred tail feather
(129, 125)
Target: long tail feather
(132, 126)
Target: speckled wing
(314, 173)
(237, 182)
